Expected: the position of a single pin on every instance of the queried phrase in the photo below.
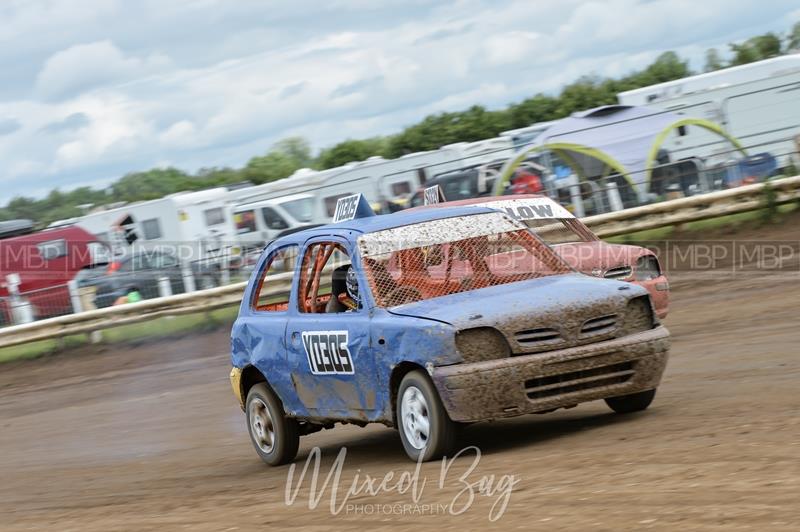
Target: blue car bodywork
(362, 355)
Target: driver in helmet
(344, 290)
(350, 297)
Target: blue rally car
(428, 320)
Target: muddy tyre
(635, 402)
(426, 431)
(275, 437)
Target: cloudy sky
(94, 89)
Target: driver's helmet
(351, 280)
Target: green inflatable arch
(562, 149)
(662, 136)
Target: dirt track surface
(150, 438)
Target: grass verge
(147, 331)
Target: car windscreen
(447, 256)
(301, 209)
(555, 230)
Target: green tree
(475, 123)
(351, 150)
(539, 108)
(586, 93)
(21, 207)
(296, 148)
(755, 49)
(793, 39)
(282, 160)
(151, 184)
(217, 177)
(667, 67)
(274, 165)
(713, 60)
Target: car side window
(273, 220)
(53, 249)
(275, 281)
(323, 280)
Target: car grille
(540, 336)
(575, 381)
(597, 326)
(620, 272)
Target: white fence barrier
(677, 211)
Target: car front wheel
(427, 432)
(635, 402)
(274, 436)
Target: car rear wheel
(427, 432)
(635, 402)
(274, 436)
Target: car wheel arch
(398, 372)
(251, 376)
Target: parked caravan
(197, 227)
(758, 103)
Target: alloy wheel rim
(415, 417)
(262, 429)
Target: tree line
(434, 131)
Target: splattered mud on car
(433, 318)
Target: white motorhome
(197, 227)
(758, 103)
(262, 221)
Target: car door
(328, 351)
(259, 333)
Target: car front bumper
(541, 382)
(236, 384)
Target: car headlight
(639, 315)
(647, 268)
(482, 343)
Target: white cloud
(179, 134)
(513, 47)
(86, 66)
